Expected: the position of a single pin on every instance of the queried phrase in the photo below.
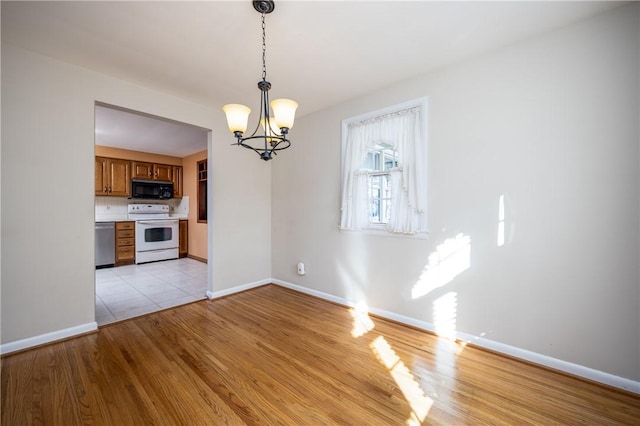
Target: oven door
(157, 236)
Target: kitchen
(150, 213)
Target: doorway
(129, 288)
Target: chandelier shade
(284, 112)
(237, 117)
(270, 135)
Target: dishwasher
(105, 244)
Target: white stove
(156, 232)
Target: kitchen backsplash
(115, 208)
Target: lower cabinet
(183, 240)
(125, 243)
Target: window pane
(390, 160)
(382, 157)
(379, 198)
(374, 199)
(373, 160)
(375, 212)
(386, 198)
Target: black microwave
(151, 189)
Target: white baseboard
(42, 339)
(217, 294)
(533, 357)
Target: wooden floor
(274, 356)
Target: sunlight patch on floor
(419, 402)
(362, 323)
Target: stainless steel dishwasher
(105, 244)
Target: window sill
(381, 232)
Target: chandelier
(270, 134)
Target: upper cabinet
(141, 170)
(113, 177)
(162, 172)
(151, 171)
(102, 187)
(176, 178)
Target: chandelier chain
(264, 49)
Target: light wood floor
(274, 356)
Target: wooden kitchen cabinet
(125, 243)
(112, 177)
(177, 181)
(101, 176)
(162, 172)
(151, 171)
(141, 170)
(183, 239)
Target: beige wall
(48, 154)
(127, 154)
(551, 124)
(197, 231)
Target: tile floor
(133, 290)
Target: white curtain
(403, 131)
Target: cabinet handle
(106, 189)
(110, 189)
(149, 172)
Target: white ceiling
(319, 53)
(131, 130)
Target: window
(384, 170)
(380, 160)
(202, 190)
